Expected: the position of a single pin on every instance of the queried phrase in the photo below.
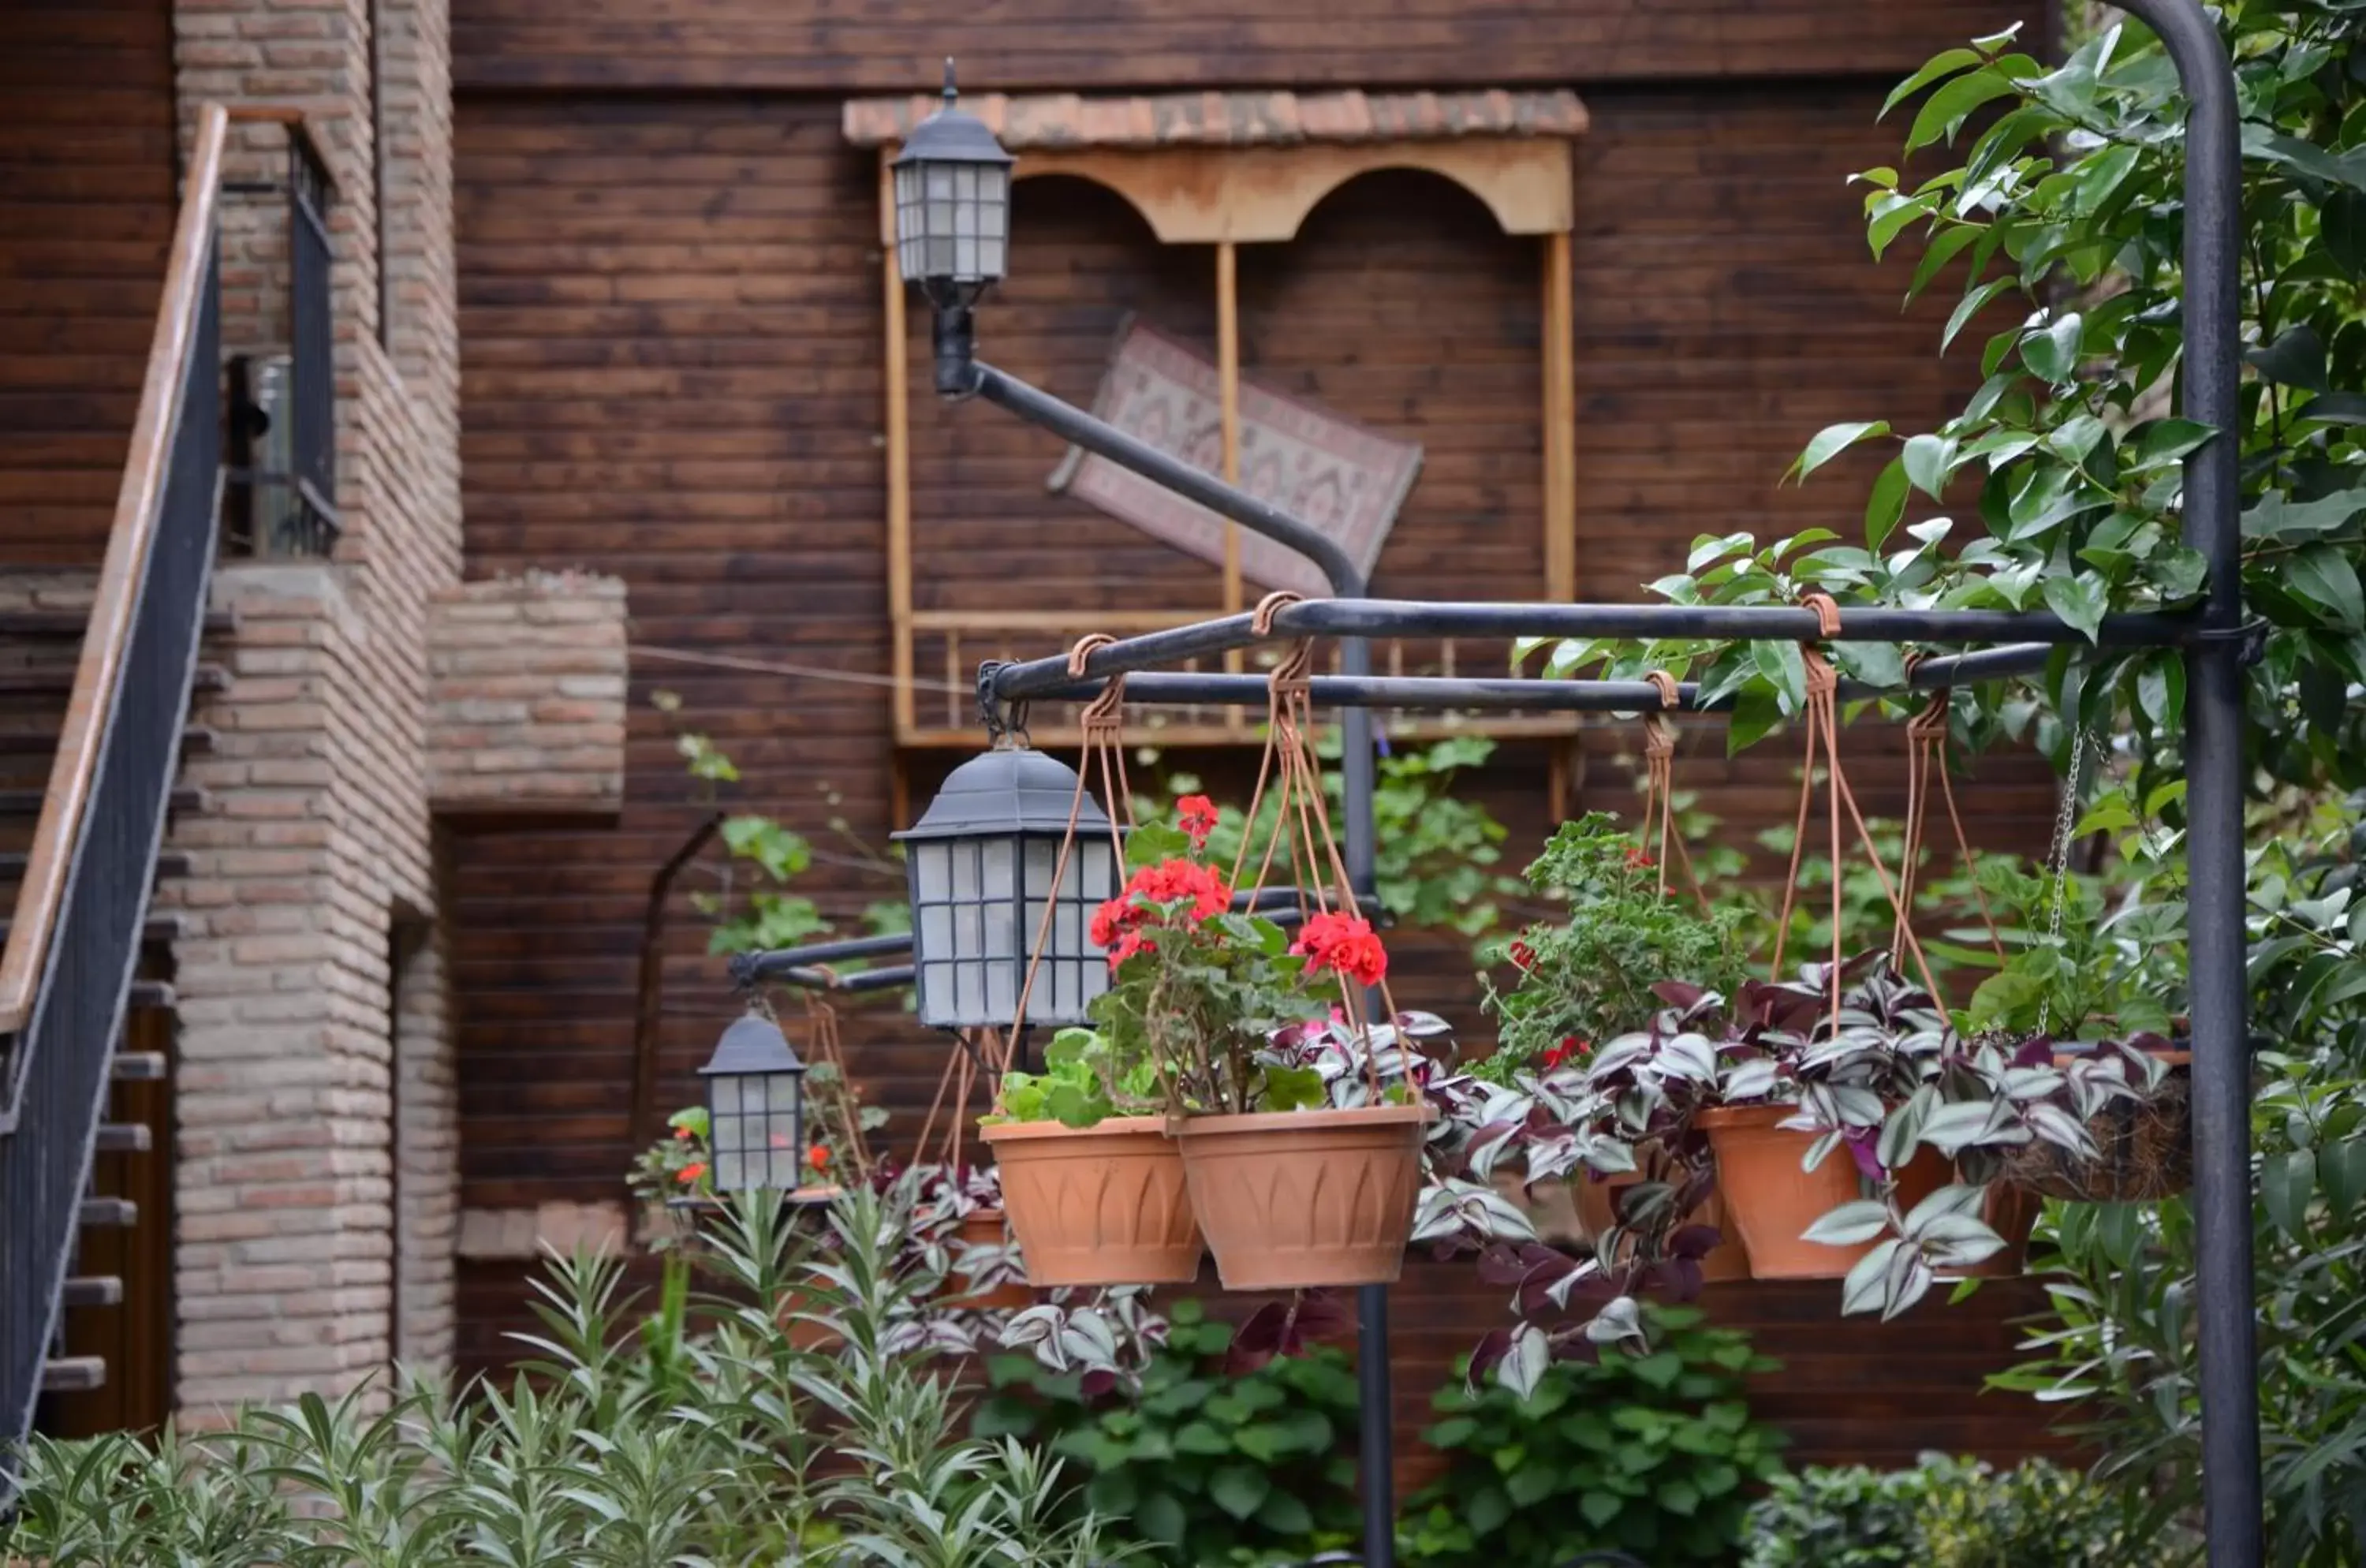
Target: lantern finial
(952, 94)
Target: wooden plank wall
(87, 206)
(865, 46)
(669, 321)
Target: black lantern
(979, 862)
(756, 1108)
(952, 206)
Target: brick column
(281, 1093)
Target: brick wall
(320, 839)
(526, 696)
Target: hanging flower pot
(1771, 1198)
(1299, 1151)
(2143, 1139)
(1294, 1199)
(1106, 1204)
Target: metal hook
(1005, 722)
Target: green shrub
(1203, 1466)
(698, 1439)
(1655, 1455)
(1947, 1513)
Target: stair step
(155, 928)
(103, 1213)
(93, 1290)
(27, 802)
(197, 740)
(139, 1066)
(170, 862)
(71, 623)
(151, 993)
(57, 680)
(124, 1138)
(74, 1374)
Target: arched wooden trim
(1205, 196)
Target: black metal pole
(960, 374)
(2226, 1347)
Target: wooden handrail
(138, 508)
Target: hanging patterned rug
(1346, 480)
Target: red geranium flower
(1344, 944)
(681, 1135)
(1523, 957)
(1177, 882)
(1571, 1045)
(1128, 945)
(1636, 857)
(818, 1157)
(690, 1173)
(1197, 813)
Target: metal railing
(282, 452)
(75, 940)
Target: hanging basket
(1772, 1199)
(1100, 1205)
(2144, 1147)
(1296, 1199)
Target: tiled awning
(1064, 120)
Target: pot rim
(1109, 1126)
(1766, 1114)
(1328, 1116)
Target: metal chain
(2058, 859)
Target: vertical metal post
(1376, 1444)
(2213, 805)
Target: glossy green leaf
(1971, 305)
(1947, 62)
(1926, 460)
(2077, 601)
(1831, 442)
(1886, 504)
(2051, 352)
(2325, 576)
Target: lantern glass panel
(933, 861)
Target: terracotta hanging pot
(1598, 1210)
(1770, 1200)
(2008, 1210)
(1295, 1200)
(1100, 1205)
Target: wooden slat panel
(851, 47)
(87, 207)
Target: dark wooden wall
(87, 207)
(870, 46)
(671, 371)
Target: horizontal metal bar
(888, 978)
(747, 968)
(1438, 693)
(1040, 678)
